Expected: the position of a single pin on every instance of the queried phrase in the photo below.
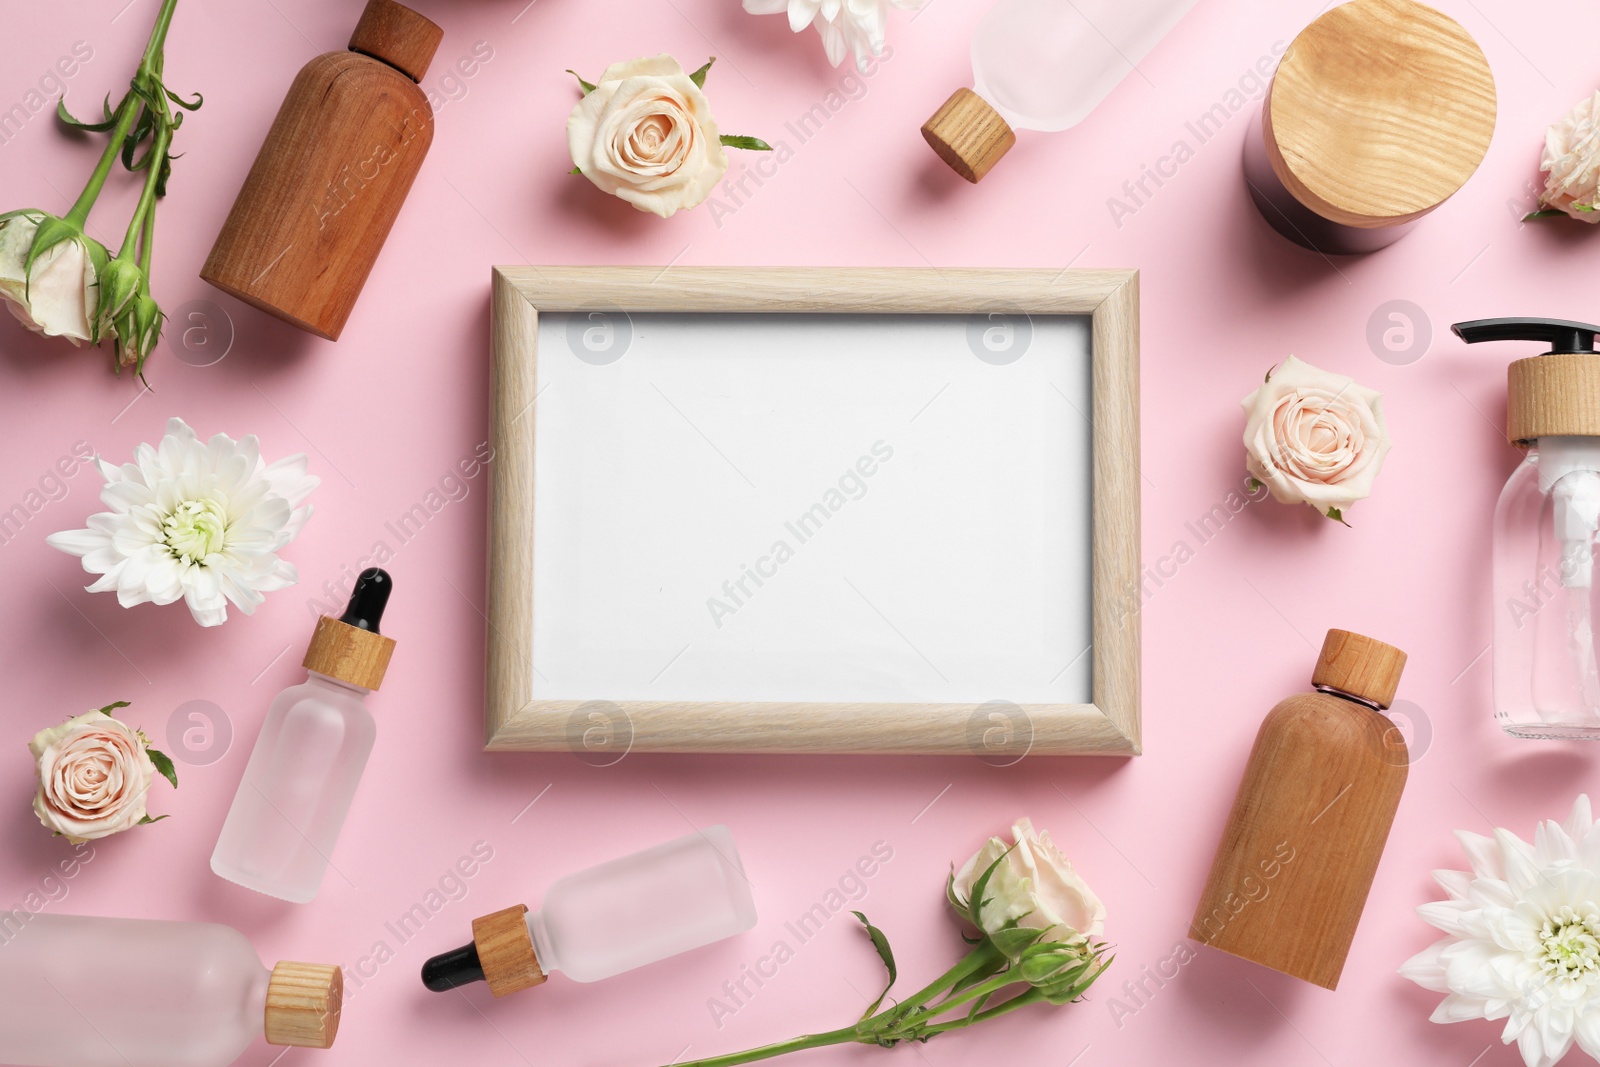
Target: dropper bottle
(308, 760)
(1546, 670)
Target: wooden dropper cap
(397, 35)
(1378, 112)
(968, 134)
(1360, 666)
(303, 1004)
(350, 648)
(505, 951)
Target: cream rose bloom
(1035, 887)
(1314, 437)
(59, 299)
(1571, 162)
(645, 133)
(94, 773)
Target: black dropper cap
(368, 599)
(458, 967)
(1563, 336)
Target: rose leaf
(881, 943)
(588, 87)
(575, 170)
(750, 144)
(1254, 483)
(163, 764)
(1543, 213)
(1337, 515)
(109, 708)
(699, 76)
(148, 819)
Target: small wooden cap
(348, 653)
(505, 951)
(1360, 666)
(1553, 394)
(303, 1004)
(1379, 111)
(397, 35)
(968, 134)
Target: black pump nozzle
(1562, 336)
(368, 599)
(458, 967)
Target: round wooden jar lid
(1359, 665)
(1379, 111)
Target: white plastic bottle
(609, 919)
(313, 747)
(90, 992)
(1043, 65)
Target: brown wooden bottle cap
(968, 134)
(1359, 665)
(397, 35)
(303, 1004)
(348, 653)
(505, 951)
(1379, 111)
(1552, 395)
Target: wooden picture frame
(1110, 725)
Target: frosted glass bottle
(79, 991)
(1546, 530)
(308, 760)
(1043, 65)
(609, 919)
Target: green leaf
(1544, 213)
(163, 764)
(1270, 369)
(575, 170)
(147, 819)
(65, 117)
(588, 87)
(881, 943)
(699, 76)
(181, 102)
(109, 708)
(1336, 515)
(1012, 939)
(749, 144)
(976, 902)
(1253, 483)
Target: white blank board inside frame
(813, 508)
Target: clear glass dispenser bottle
(1546, 671)
(608, 919)
(79, 991)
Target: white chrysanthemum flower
(1524, 941)
(845, 25)
(198, 520)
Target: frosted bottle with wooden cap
(331, 177)
(1311, 817)
(302, 775)
(1042, 65)
(1546, 660)
(91, 992)
(1378, 112)
(609, 919)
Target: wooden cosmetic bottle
(330, 178)
(1311, 817)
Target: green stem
(158, 37)
(1021, 1000)
(147, 198)
(982, 989)
(975, 960)
(147, 246)
(832, 1037)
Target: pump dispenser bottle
(1310, 819)
(308, 760)
(1042, 65)
(608, 919)
(1546, 671)
(89, 992)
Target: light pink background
(388, 411)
